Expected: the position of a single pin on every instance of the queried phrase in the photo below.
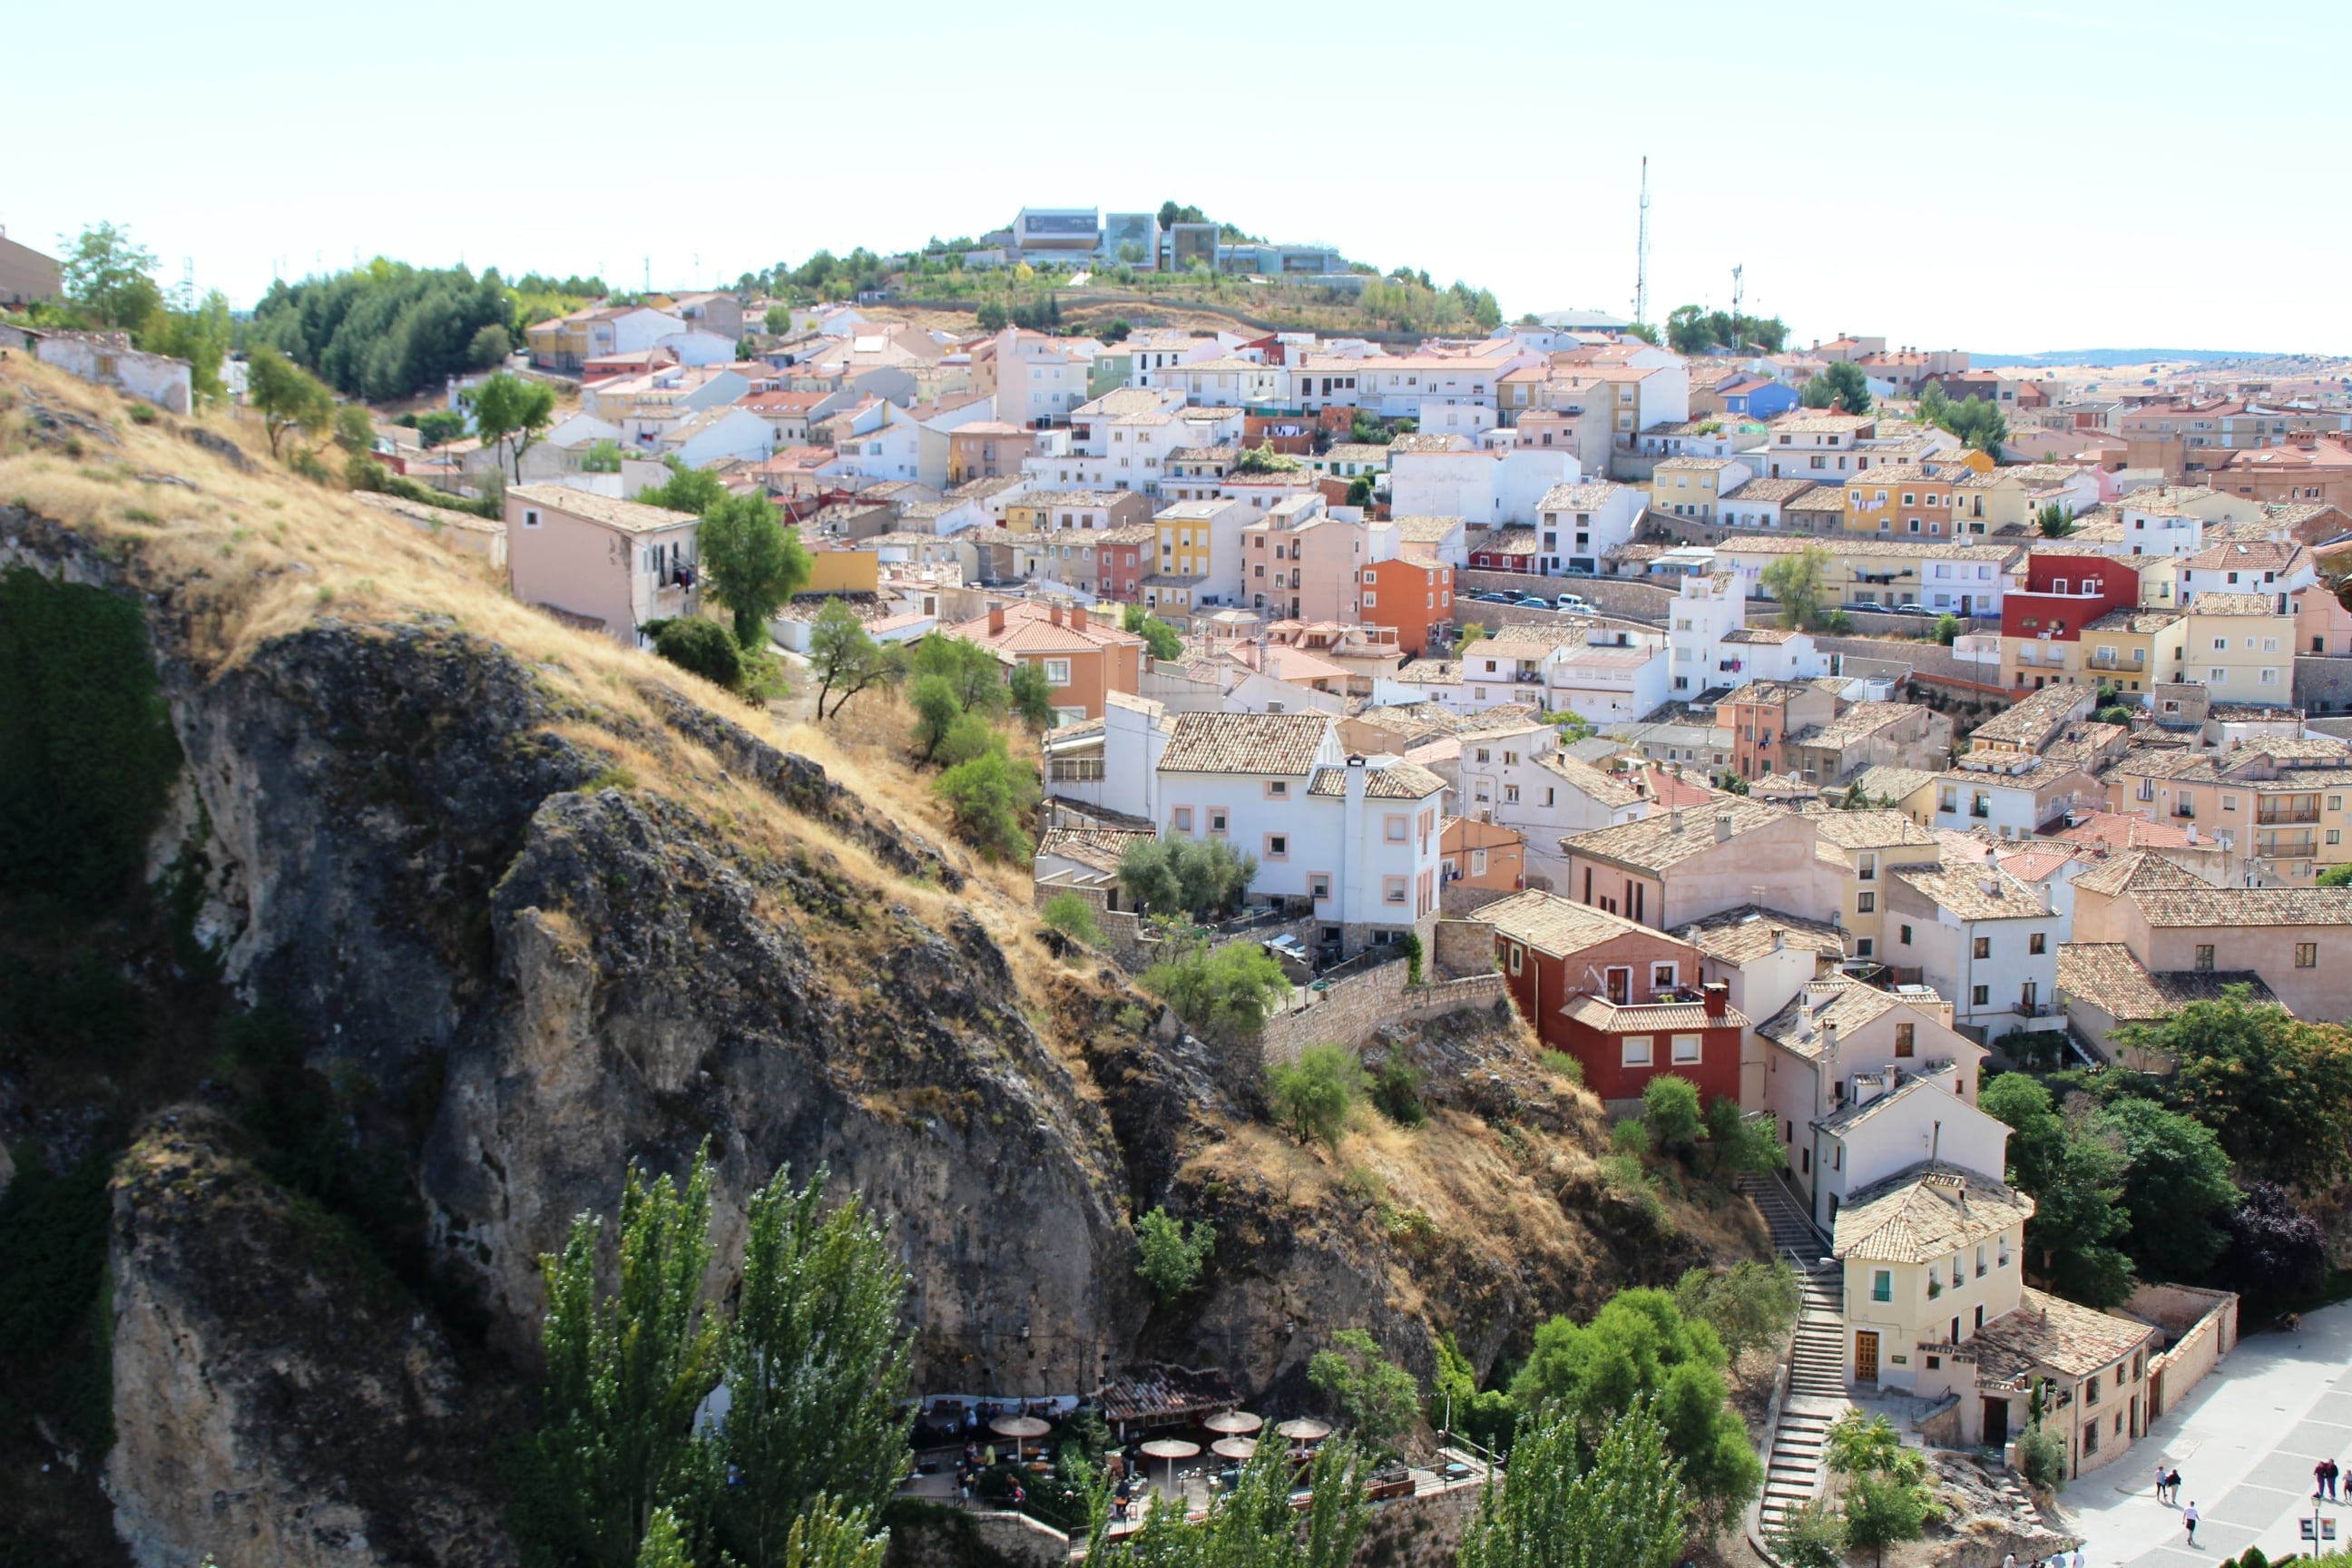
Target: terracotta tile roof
(1667, 838)
(1244, 742)
(1781, 491)
(2051, 1331)
(628, 516)
(2106, 976)
(2029, 720)
(1642, 1017)
(2204, 906)
(1858, 722)
(1588, 495)
(2135, 871)
(1030, 629)
(1853, 1113)
(1746, 931)
(1597, 783)
(1886, 781)
(1555, 925)
(2212, 603)
(2259, 555)
(1833, 1001)
(1961, 890)
(2116, 831)
(1398, 781)
(1870, 829)
(1766, 634)
(1098, 849)
(1426, 529)
(2133, 620)
(1927, 1212)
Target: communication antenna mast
(1739, 293)
(1642, 252)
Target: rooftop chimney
(1674, 819)
(1722, 829)
(1779, 939)
(1078, 618)
(995, 618)
(1719, 998)
(1055, 612)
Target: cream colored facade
(595, 559)
(1863, 845)
(2240, 650)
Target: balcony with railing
(2303, 809)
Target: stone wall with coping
(2200, 1326)
(1354, 1009)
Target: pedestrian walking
(2008, 1561)
(2160, 1483)
(2189, 1517)
(2334, 1471)
(2173, 1486)
(2076, 1561)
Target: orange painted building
(1411, 592)
(1085, 658)
(1473, 854)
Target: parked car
(1532, 603)
(1914, 610)
(1578, 572)
(1576, 602)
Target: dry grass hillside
(1495, 1212)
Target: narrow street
(2245, 1442)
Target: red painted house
(1623, 998)
(2061, 594)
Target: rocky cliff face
(277, 1399)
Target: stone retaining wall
(1353, 1010)
(1622, 597)
(2202, 1326)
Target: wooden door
(1996, 1423)
(1866, 1355)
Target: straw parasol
(1235, 1423)
(1304, 1429)
(1235, 1447)
(1171, 1449)
(1018, 1427)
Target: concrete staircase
(1816, 1395)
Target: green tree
(1223, 994)
(199, 331)
(1848, 389)
(1810, 1535)
(1641, 1343)
(1360, 491)
(1264, 459)
(1749, 1305)
(2176, 1185)
(1740, 1142)
(624, 1374)
(1947, 629)
(990, 317)
(1160, 640)
(1883, 1511)
(2335, 877)
(354, 431)
(1172, 1255)
(1858, 1444)
(601, 458)
(1689, 329)
(752, 563)
(1670, 1108)
(1254, 1525)
(1030, 696)
(664, 1545)
(1489, 1418)
(1798, 581)
(2074, 1176)
(1816, 393)
(491, 345)
(286, 397)
(2042, 1457)
(845, 659)
(439, 427)
(1376, 1397)
(816, 1370)
(1571, 1504)
(971, 671)
(2053, 523)
(2276, 1091)
(933, 700)
(510, 410)
(697, 490)
(1179, 875)
(779, 320)
(1313, 1095)
(991, 799)
(109, 278)
(702, 646)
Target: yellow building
(844, 572)
(1901, 501)
(2122, 648)
(1863, 847)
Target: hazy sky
(1991, 174)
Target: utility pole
(1642, 252)
(1739, 293)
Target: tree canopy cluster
(1842, 387)
(680, 1425)
(2184, 1177)
(387, 330)
(1978, 422)
(1692, 330)
(109, 284)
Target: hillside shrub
(1560, 1063)
(2042, 1455)
(1172, 1253)
(991, 799)
(1670, 1109)
(1396, 1093)
(1224, 994)
(1072, 917)
(1313, 1095)
(702, 646)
